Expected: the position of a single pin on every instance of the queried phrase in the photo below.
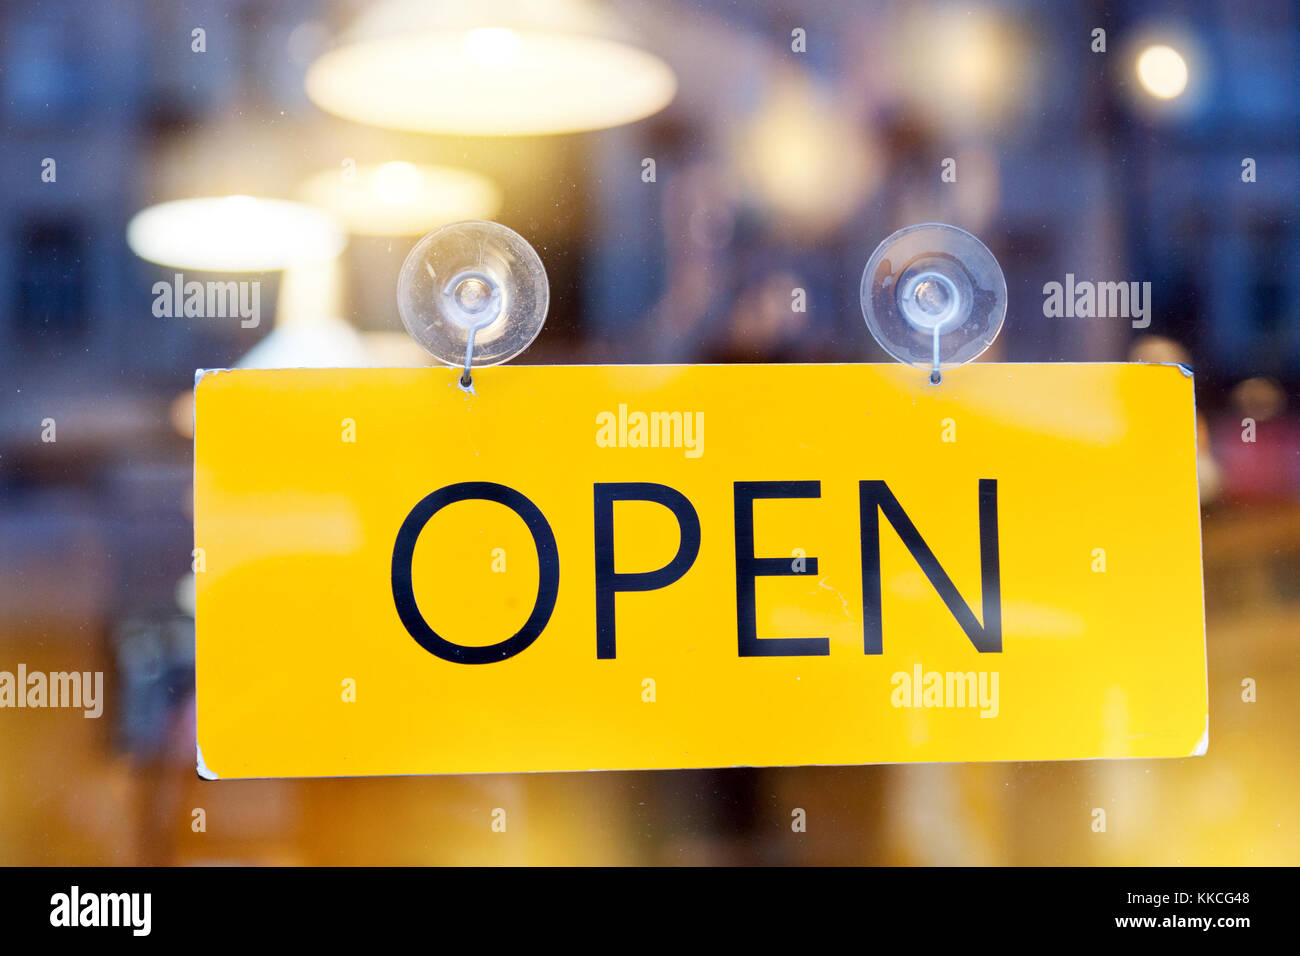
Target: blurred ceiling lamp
(1162, 71)
(489, 67)
(965, 69)
(802, 156)
(234, 234)
(402, 199)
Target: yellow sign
(695, 566)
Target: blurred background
(787, 139)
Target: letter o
(548, 572)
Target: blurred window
(51, 299)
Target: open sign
(663, 566)
(875, 497)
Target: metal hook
(467, 375)
(935, 375)
(466, 379)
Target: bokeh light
(1162, 71)
(801, 158)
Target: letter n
(875, 497)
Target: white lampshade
(234, 234)
(402, 199)
(489, 67)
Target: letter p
(608, 581)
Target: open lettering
(874, 498)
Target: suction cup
(933, 296)
(473, 294)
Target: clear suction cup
(473, 294)
(933, 296)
